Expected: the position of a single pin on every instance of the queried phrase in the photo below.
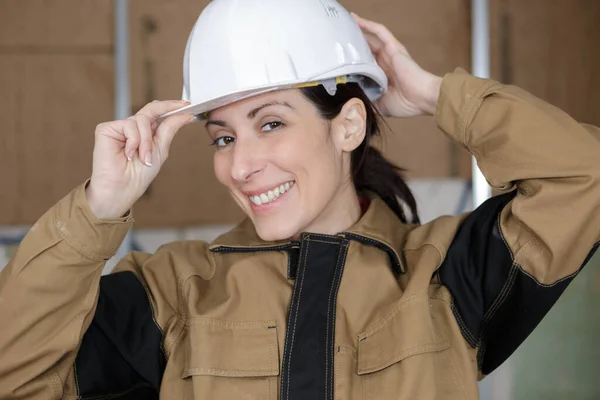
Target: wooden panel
(39, 24)
(10, 106)
(186, 191)
(550, 49)
(58, 101)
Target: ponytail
(371, 171)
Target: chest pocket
(400, 357)
(232, 360)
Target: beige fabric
(395, 338)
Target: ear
(348, 129)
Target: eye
(271, 126)
(222, 141)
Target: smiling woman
(328, 289)
(264, 145)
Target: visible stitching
(470, 337)
(232, 325)
(455, 375)
(341, 261)
(296, 314)
(507, 285)
(496, 306)
(399, 306)
(297, 310)
(249, 249)
(441, 253)
(381, 245)
(544, 285)
(336, 361)
(520, 267)
(324, 241)
(471, 109)
(271, 356)
(286, 348)
(77, 245)
(219, 370)
(408, 352)
(76, 378)
(320, 235)
(181, 313)
(147, 292)
(337, 289)
(501, 296)
(481, 355)
(286, 351)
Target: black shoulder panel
(121, 354)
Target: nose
(248, 159)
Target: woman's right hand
(128, 155)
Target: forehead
(293, 97)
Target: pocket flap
(406, 331)
(235, 349)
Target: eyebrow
(251, 114)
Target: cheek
(309, 147)
(222, 166)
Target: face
(287, 167)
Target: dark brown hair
(371, 172)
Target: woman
(327, 290)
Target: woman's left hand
(411, 90)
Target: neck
(341, 212)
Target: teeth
(271, 195)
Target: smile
(271, 195)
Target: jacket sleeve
(70, 333)
(514, 256)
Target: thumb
(168, 128)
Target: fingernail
(130, 156)
(148, 160)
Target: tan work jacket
(381, 311)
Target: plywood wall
(56, 80)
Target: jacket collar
(378, 227)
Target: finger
(168, 129)
(144, 126)
(108, 129)
(374, 42)
(157, 108)
(131, 132)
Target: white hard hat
(242, 48)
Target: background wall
(56, 84)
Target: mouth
(270, 196)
